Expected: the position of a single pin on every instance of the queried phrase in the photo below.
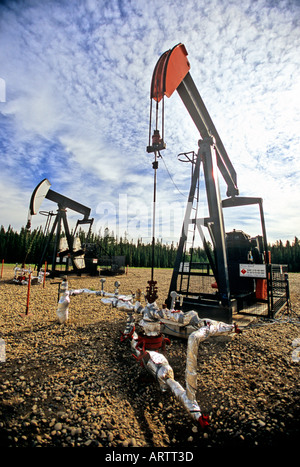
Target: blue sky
(75, 82)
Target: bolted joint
(157, 143)
(207, 140)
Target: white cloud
(77, 104)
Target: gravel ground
(77, 385)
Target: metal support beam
(208, 154)
(186, 222)
(65, 202)
(215, 222)
(246, 201)
(191, 98)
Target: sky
(75, 81)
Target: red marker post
(44, 279)
(28, 294)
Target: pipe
(211, 328)
(158, 366)
(122, 302)
(175, 298)
(62, 311)
(192, 407)
(154, 362)
(21, 278)
(152, 313)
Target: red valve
(203, 420)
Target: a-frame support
(61, 218)
(220, 301)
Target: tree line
(27, 246)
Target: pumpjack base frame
(210, 308)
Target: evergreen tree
(27, 246)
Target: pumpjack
(239, 266)
(71, 247)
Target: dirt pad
(78, 385)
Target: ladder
(188, 249)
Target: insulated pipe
(158, 366)
(191, 361)
(175, 298)
(62, 311)
(192, 407)
(64, 293)
(211, 328)
(21, 279)
(154, 362)
(122, 302)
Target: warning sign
(253, 270)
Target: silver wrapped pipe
(191, 361)
(62, 311)
(154, 362)
(191, 406)
(211, 328)
(175, 298)
(152, 313)
(158, 366)
(122, 302)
